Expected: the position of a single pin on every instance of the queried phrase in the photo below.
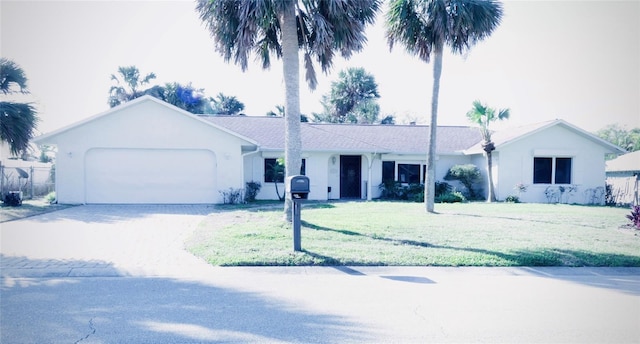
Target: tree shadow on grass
(560, 262)
(60, 309)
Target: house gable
(145, 116)
(503, 139)
(550, 158)
(146, 151)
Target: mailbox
(298, 186)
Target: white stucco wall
(143, 125)
(516, 164)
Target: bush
(413, 192)
(443, 188)
(13, 199)
(468, 175)
(635, 216)
(390, 189)
(512, 199)
(232, 196)
(50, 197)
(251, 191)
(450, 197)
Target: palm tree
(482, 115)
(17, 120)
(128, 86)
(353, 98)
(226, 105)
(425, 27)
(281, 28)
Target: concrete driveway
(116, 274)
(102, 240)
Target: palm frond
(12, 74)
(17, 124)
(427, 26)
(324, 27)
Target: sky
(573, 60)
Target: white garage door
(171, 176)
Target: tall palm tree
(281, 28)
(425, 27)
(17, 120)
(128, 84)
(483, 116)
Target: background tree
(425, 27)
(226, 105)
(278, 113)
(619, 136)
(352, 99)
(185, 97)
(281, 28)
(483, 116)
(128, 85)
(17, 120)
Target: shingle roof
(268, 132)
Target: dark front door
(350, 176)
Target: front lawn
(394, 233)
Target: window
(546, 170)
(388, 170)
(409, 173)
(563, 171)
(274, 171)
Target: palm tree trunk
(291, 72)
(491, 196)
(430, 180)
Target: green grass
(27, 209)
(394, 233)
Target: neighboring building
(623, 177)
(148, 151)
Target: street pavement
(120, 274)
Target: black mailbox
(298, 186)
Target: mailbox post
(298, 188)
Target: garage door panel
(150, 176)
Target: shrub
(635, 216)
(50, 197)
(443, 188)
(512, 199)
(468, 175)
(251, 191)
(609, 198)
(390, 189)
(415, 192)
(450, 197)
(232, 196)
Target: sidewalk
(116, 274)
